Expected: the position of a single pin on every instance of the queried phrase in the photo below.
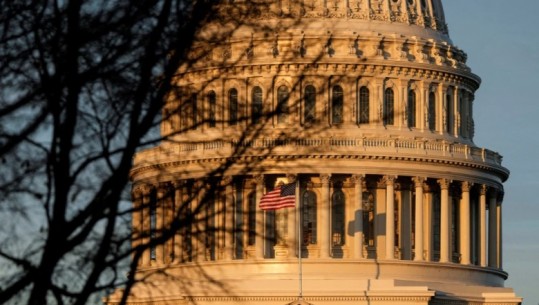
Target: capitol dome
(366, 108)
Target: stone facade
(368, 107)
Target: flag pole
(299, 246)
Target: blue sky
(501, 39)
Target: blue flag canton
(288, 190)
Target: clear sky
(501, 38)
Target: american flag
(283, 196)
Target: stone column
(325, 241)
(444, 220)
(167, 224)
(291, 237)
(500, 230)
(146, 223)
(178, 227)
(197, 216)
(404, 10)
(159, 227)
(428, 223)
(455, 112)
(229, 218)
(420, 17)
(378, 101)
(136, 223)
(418, 241)
(482, 226)
(358, 216)
(465, 223)
(187, 231)
(441, 106)
(390, 217)
(259, 239)
(401, 103)
(423, 106)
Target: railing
(388, 146)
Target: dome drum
(366, 109)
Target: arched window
(212, 109)
(308, 218)
(309, 110)
(337, 105)
(233, 106)
(449, 113)
(337, 218)
(389, 106)
(256, 104)
(412, 109)
(251, 219)
(432, 111)
(363, 105)
(282, 104)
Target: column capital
(466, 186)
(137, 190)
(418, 181)
(500, 196)
(493, 192)
(145, 188)
(178, 184)
(357, 178)
(444, 183)
(259, 179)
(325, 179)
(291, 177)
(389, 180)
(483, 189)
(227, 180)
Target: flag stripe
(281, 197)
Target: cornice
(499, 171)
(374, 68)
(288, 299)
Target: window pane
(389, 104)
(449, 113)
(411, 109)
(194, 109)
(233, 106)
(256, 104)
(212, 108)
(309, 218)
(337, 218)
(282, 104)
(432, 111)
(309, 113)
(337, 105)
(363, 105)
